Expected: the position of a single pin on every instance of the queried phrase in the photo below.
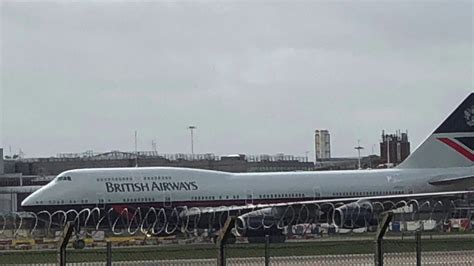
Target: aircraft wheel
(79, 244)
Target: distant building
(52, 166)
(349, 163)
(322, 145)
(2, 164)
(394, 148)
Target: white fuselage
(163, 186)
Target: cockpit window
(64, 178)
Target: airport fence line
(163, 235)
(175, 219)
(436, 249)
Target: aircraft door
(316, 192)
(248, 197)
(100, 201)
(167, 200)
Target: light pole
(191, 128)
(136, 149)
(358, 148)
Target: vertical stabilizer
(451, 144)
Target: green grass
(206, 251)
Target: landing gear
(79, 244)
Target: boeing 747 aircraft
(442, 166)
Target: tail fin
(451, 144)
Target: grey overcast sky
(254, 77)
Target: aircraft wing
(339, 211)
(453, 180)
(399, 197)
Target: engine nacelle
(354, 215)
(261, 222)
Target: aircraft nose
(28, 201)
(31, 200)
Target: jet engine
(259, 223)
(355, 215)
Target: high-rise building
(322, 145)
(394, 148)
(2, 164)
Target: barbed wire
(168, 221)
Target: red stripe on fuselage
(469, 155)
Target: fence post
(418, 247)
(222, 239)
(109, 254)
(267, 256)
(382, 228)
(66, 235)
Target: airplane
(442, 167)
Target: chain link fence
(356, 249)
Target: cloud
(254, 77)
